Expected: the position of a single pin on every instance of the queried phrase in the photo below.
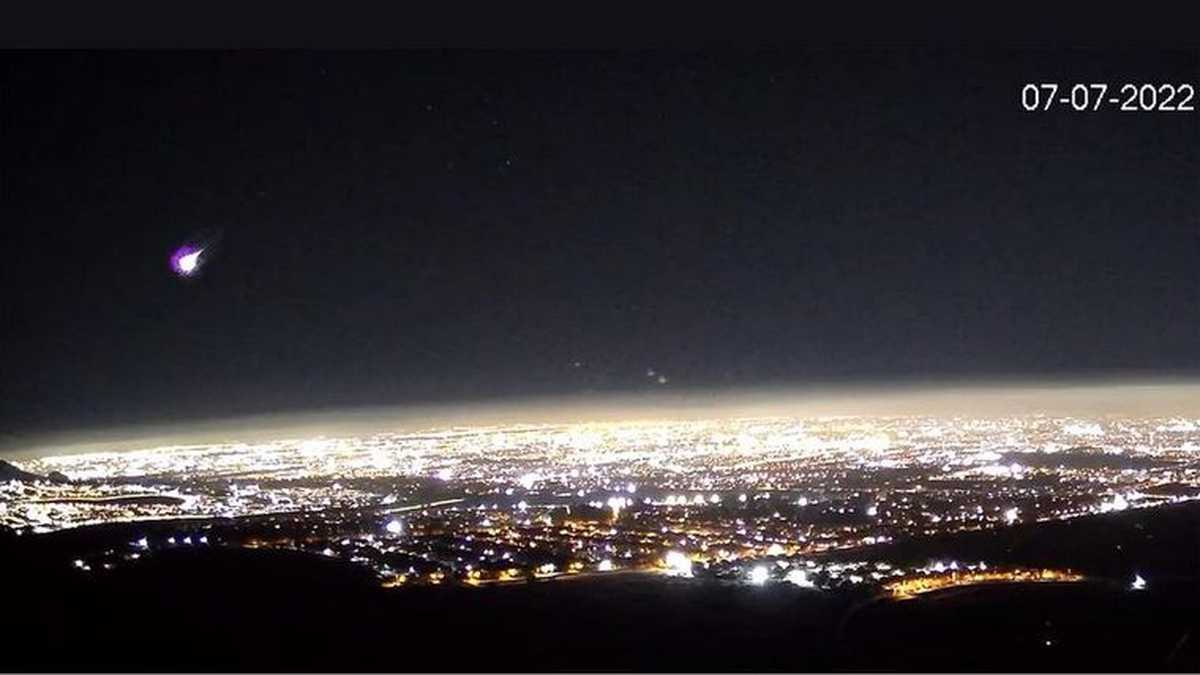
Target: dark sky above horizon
(412, 226)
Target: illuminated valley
(753, 500)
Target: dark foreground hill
(1156, 543)
(1044, 628)
(223, 609)
(10, 471)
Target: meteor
(189, 259)
(187, 263)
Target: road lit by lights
(928, 582)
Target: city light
(715, 498)
(678, 564)
(799, 578)
(759, 575)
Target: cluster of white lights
(758, 575)
(678, 564)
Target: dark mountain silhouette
(10, 471)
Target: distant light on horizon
(1168, 399)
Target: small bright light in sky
(186, 260)
(187, 263)
(1138, 583)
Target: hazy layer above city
(1129, 398)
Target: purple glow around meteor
(193, 254)
(186, 260)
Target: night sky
(404, 227)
